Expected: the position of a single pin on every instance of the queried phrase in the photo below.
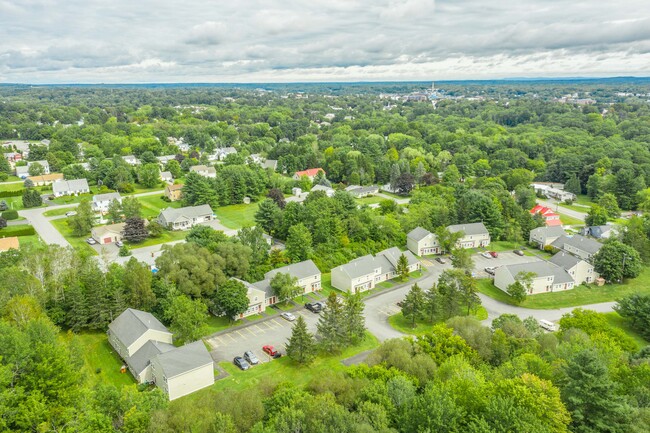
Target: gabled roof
(46, 177)
(548, 232)
(541, 269)
(546, 211)
(132, 324)
(393, 254)
(109, 196)
(359, 267)
(311, 172)
(580, 242)
(418, 233)
(469, 229)
(174, 187)
(565, 260)
(70, 185)
(140, 359)
(184, 359)
(203, 168)
(189, 212)
(321, 188)
(116, 228)
(299, 270)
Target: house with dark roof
(544, 236)
(146, 347)
(548, 277)
(474, 235)
(422, 242)
(364, 273)
(580, 270)
(306, 272)
(186, 217)
(600, 232)
(578, 245)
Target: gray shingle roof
(418, 233)
(393, 254)
(359, 267)
(131, 324)
(184, 359)
(171, 214)
(141, 358)
(469, 229)
(548, 231)
(541, 269)
(107, 197)
(64, 186)
(565, 260)
(580, 242)
(299, 270)
(265, 286)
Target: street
(553, 204)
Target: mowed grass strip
(237, 216)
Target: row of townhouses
(422, 242)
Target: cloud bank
(92, 41)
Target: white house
(580, 270)
(204, 170)
(256, 300)
(107, 234)
(578, 245)
(102, 201)
(422, 242)
(131, 160)
(70, 187)
(364, 273)
(548, 277)
(362, 191)
(544, 236)
(23, 171)
(186, 217)
(474, 235)
(306, 272)
(146, 347)
(553, 191)
(329, 192)
(221, 153)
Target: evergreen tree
(268, 216)
(395, 174)
(301, 347)
(402, 267)
(354, 322)
(413, 305)
(330, 327)
(31, 198)
(134, 230)
(573, 185)
(431, 305)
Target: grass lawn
(78, 243)
(286, 370)
(139, 189)
(153, 204)
(237, 216)
(29, 240)
(390, 194)
(577, 208)
(166, 236)
(76, 198)
(57, 212)
(11, 186)
(370, 200)
(615, 320)
(400, 323)
(567, 220)
(98, 354)
(581, 295)
(216, 324)
(15, 203)
(504, 246)
(584, 200)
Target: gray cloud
(272, 40)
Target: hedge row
(16, 193)
(10, 214)
(21, 230)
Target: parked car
(400, 303)
(119, 244)
(518, 252)
(487, 255)
(494, 254)
(288, 316)
(270, 350)
(250, 357)
(241, 363)
(91, 241)
(441, 260)
(548, 325)
(322, 305)
(70, 213)
(314, 307)
(490, 270)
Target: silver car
(288, 316)
(251, 358)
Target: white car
(486, 255)
(70, 213)
(91, 241)
(288, 316)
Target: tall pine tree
(354, 322)
(301, 347)
(329, 325)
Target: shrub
(10, 214)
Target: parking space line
(230, 336)
(251, 332)
(278, 324)
(240, 334)
(268, 325)
(260, 330)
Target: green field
(581, 295)
(29, 240)
(577, 208)
(401, 324)
(11, 186)
(237, 216)
(505, 246)
(622, 323)
(101, 363)
(570, 221)
(57, 212)
(153, 204)
(166, 236)
(76, 198)
(78, 243)
(370, 200)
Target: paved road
(404, 200)
(553, 204)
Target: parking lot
(505, 258)
(274, 332)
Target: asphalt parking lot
(275, 331)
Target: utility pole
(623, 270)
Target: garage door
(108, 240)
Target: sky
(185, 41)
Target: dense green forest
(470, 157)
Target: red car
(494, 254)
(270, 350)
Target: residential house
(174, 192)
(548, 277)
(70, 187)
(221, 153)
(358, 191)
(256, 158)
(46, 179)
(329, 192)
(600, 232)
(101, 202)
(364, 273)
(555, 191)
(131, 160)
(184, 370)
(146, 346)
(306, 272)
(166, 176)
(474, 235)
(108, 234)
(578, 245)
(544, 236)
(186, 217)
(10, 243)
(310, 173)
(256, 299)
(551, 219)
(422, 242)
(12, 158)
(163, 160)
(204, 170)
(580, 270)
(178, 142)
(23, 171)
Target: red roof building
(550, 217)
(310, 173)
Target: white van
(549, 326)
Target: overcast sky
(117, 41)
